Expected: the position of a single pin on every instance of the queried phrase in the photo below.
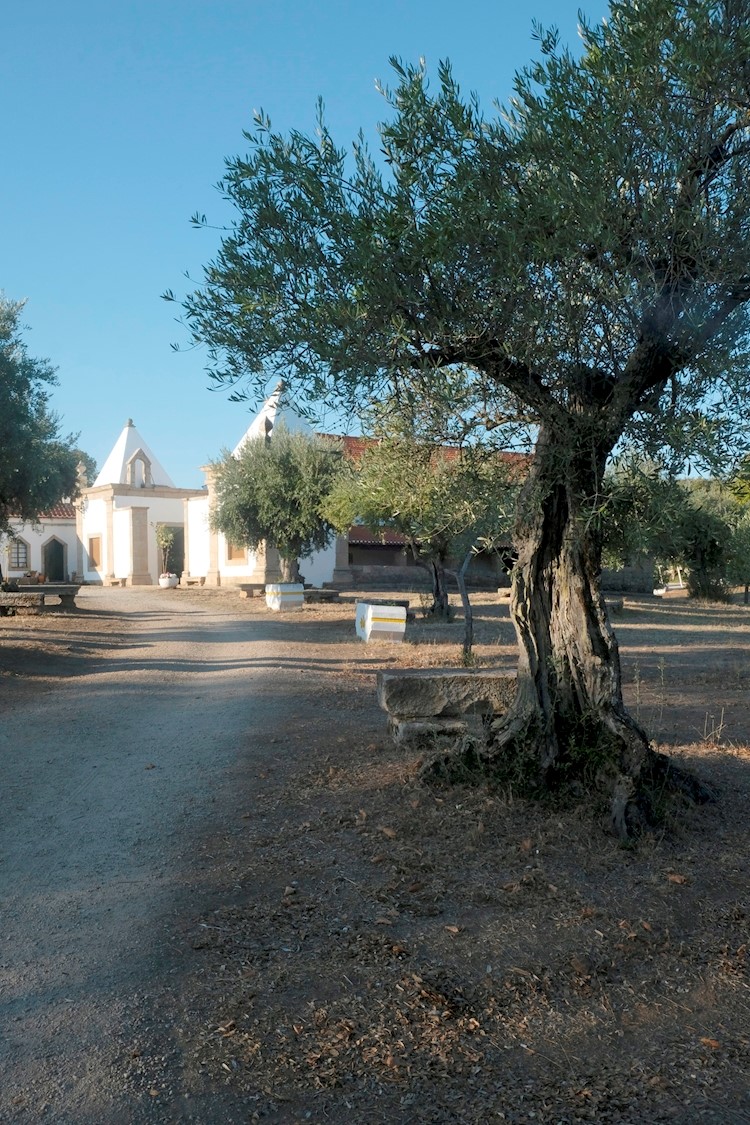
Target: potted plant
(164, 541)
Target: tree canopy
(271, 492)
(583, 253)
(37, 464)
(443, 500)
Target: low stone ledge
(430, 693)
(12, 602)
(426, 734)
(321, 594)
(252, 589)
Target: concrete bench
(65, 591)
(430, 708)
(12, 603)
(190, 581)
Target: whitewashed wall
(93, 523)
(319, 567)
(36, 536)
(123, 542)
(234, 571)
(197, 536)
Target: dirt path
(107, 784)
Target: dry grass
(398, 953)
(385, 952)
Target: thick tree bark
(440, 608)
(569, 724)
(289, 569)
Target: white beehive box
(285, 595)
(380, 622)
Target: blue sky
(116, 122)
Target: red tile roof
(59, 511)
(354, 447)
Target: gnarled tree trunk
(289, 568)
(440, 609)
(569, 723)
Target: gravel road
(108, 783)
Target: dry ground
(366, 949)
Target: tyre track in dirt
(108, 780)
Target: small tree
(684, 525)
(165, 542)
(442, 500)
(272, 491)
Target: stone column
(342, 574)
(79, 537)
(139, 573)
(267, 566)
(213, 574)
(186, 524)
(109, 543)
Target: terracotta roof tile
(61, 511)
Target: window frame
(94, 557)
(13, 546)
(235, 556)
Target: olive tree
(583, 252)
(447, 502)
(37, 464)
(271, 492)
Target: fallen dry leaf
(673, 877)
(714, 1044)
(391, 833)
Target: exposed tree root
(610, 760)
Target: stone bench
(65, 591)
(314, 595)
(12, 603)
(252, 589)
(430, 708)
(189, 580)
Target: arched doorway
(53, 561)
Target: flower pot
(168, 581)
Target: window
(95, 551)
(235, 553)
(18, 555)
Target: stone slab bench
(12, 603)
(189, 580)
(313, 594)
(252, 589)
(65, 591)
(432, 707)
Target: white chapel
(117, 517)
